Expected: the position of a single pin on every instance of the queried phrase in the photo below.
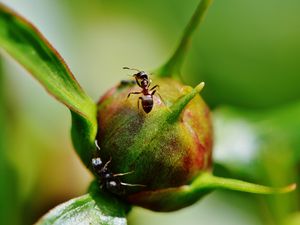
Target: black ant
(143, 81)
(107, 179)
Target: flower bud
(165, 148)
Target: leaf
(173, 66)
(27, 45)
(94, 208)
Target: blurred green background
(248, 54)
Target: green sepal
(180, 104)
(171, 199)
(20, 39)
(96, 207)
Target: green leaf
(173, 66)
(26, 44)
(94, 208)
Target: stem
(177, 198)
(209, 181)
(173, 66)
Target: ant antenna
(97, 146)
(127, 68)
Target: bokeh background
(248, 54)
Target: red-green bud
(165, 148)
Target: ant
(143, 81)
(107, 179)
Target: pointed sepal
(171, 199)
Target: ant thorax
(144, 83)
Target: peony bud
(165, 148)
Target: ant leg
(153, 92)
(149, 83)
(158, 95)
(156, 86)
(140, 99)
(122, 174)
(134, 93)
(137, 81)
(132, 185)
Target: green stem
(179, 197)
(173, 66)
(209, 181)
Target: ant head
(141, 75)
(97, 163)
